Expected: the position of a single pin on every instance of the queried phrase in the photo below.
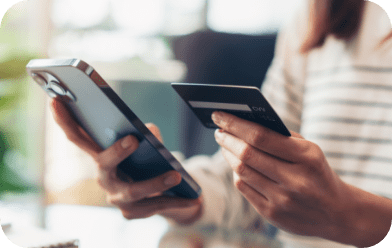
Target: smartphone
(106, 118)
(245, 102)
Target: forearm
(370, 219)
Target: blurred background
(139, 47)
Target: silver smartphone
(106, 118)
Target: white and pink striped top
(338, 96)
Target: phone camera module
(51, 93)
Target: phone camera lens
(40, 80)
(51, 93)
(57, 88)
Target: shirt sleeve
(223, 204)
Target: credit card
(245, 102)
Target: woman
(330, 83)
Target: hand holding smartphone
(135, 199)
(106, 119)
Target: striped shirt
(338, 96)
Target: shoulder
(368, 47)
(363, 49)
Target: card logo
(259, 109)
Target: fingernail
(216, 117)
(218, 134)
(127, 142)
(170, 180)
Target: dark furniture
(219, 58)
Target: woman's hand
(289, 182)
(134, 199)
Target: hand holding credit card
(242, 101)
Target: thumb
(155, 130)
(296, 135)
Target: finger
(109, 159)
(251, 177)
(270, 166)
(143, 189)
(296, 135)
(155, 205)
(259, 201)
(115, 187)
(155, 130)
(261, 137)
(72, 130)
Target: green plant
(9, 180)
(12, 133)
(14, 55)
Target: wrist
(184, 216)
(368, 218)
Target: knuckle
(100, 166)
(258, 137)
(227, 123)
(285, 202)
(312, 158)
(305, 146)
(111, 200)
(104, 167)
(240, 169)
(245, 152)
(118, 199)
(239, 184)
(315, 159)
(313, 153)
(301, 189)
